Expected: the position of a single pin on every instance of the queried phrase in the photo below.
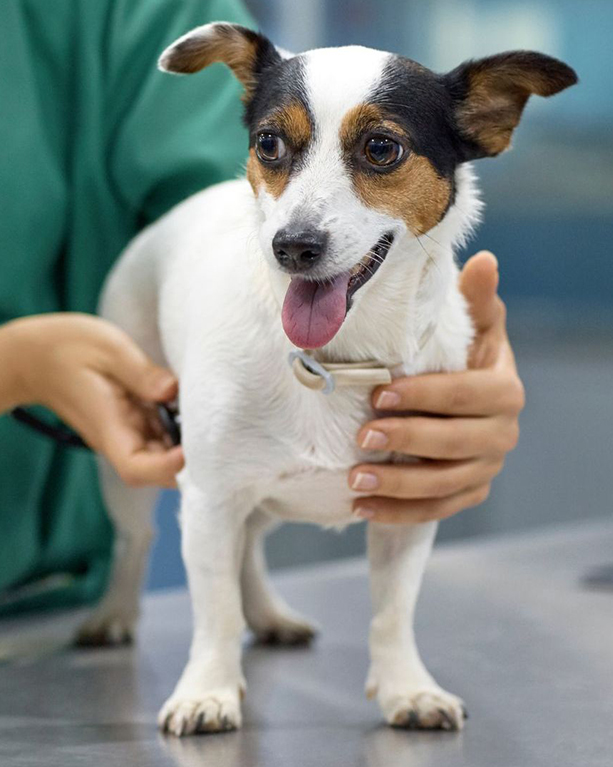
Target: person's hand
(467, 421)
(99, 382)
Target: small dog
(339, 241)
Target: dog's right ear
(490, 94)
(245, 52)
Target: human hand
(468, 421)
(97, 380)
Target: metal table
(505, 623)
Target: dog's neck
(399, 310)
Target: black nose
(298, 251)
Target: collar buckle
(311, 373)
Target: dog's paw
(430, 708)
(284, 629)
(106, 630)
(217, 711)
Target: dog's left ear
(490, 94)
(245, 52)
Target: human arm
(94, 377)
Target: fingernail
(364, 513)
(387, 399)
(374, 440)
(364, 481)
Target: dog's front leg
(207, 696)
(408, 695)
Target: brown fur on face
(413, 192)
(361, 119)
(294, 125)
(273, 179)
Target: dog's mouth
(313, 311)
(366, 268)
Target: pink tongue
(313, 313)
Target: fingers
(441, 438)
(423, 480)
(131, 367)
(137, 453)
(479, 284)
(401, 512)
(470, 393)
(152, 465)
(125, 432)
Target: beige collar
(326, 376)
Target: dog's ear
(245, 52)
(489, 96)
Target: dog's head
(352, 148)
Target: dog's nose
(298, 251)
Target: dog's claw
(287, 638)
(200, 722)
(447, 722)
(425, 710)
(107, 632)
(217, 711)
(406, 720)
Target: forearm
(13, 388)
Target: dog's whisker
(428, 255)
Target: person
(100, 144)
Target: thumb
(479, 284)
(131, 367)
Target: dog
(337, 249)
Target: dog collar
(326, 376)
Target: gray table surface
(505, 623)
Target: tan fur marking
(359, 120)
(227, 46)
(498, 89)
(274, 180)
(293, 122)
(414, 192)
(493, 110)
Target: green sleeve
(173, 135)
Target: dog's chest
(312, 482)
(320, 496)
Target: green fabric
(95, 143)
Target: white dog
(340, 241)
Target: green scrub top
(95, 143)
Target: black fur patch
(279, 82)
(419, 100)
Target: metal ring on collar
(314, 367)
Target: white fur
(201, 292)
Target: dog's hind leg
(129, 301)
(266, 613)
(409, 697)
(114, 619)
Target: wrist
(16, 364)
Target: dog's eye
(270, 147)
(382, 151)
